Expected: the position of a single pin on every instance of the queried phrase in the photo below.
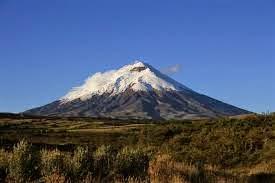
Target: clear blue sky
(225, 47)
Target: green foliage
(197, 151)
(157, 135)
(104, 158)
(81, 162)
(55, 161)
(225, 142)
(132, 162)
(23, 165)
(4, 164)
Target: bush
(4, 165)
(55, 178)
(55, 162)
(226, 150)
(81, 162)
(104, 158)
(24, 163)
(163, 169)
(132, 162)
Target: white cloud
(171, 69)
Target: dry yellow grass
(164, 170)
(265, 167)
(55, 178)
(111, 129)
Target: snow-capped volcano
(138, 77)
(135, 91)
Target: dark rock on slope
(136, 91)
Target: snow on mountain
(138, 77)
(135, 91)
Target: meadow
(49, 149)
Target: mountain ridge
(136, 91)
(138, 76)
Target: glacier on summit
(135, 91)
(138, 77)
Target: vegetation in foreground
(224, 150)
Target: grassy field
(238, 149)
(68, 131)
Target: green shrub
(81, 162)
(4, 164)
(24, 163)
(55, 162)
(157, 135)
(132, 162)
(104, 158)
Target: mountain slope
(136, 91)
(138, 76)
